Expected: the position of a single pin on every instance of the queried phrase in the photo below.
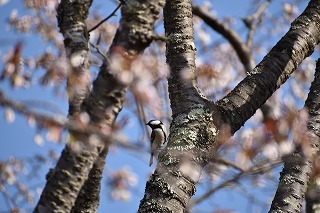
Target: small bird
(158, 137)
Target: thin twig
(64, 123)
(254, 20)
(229, 163)
(6, 195)
(95, 50)
(109, 16)
(215, 189)
(256, 169)
(159, 38)
(253, 200)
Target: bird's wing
(152, 136)
(165, 136)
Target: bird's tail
(151, 160)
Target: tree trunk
(102, 105)
(198, 126)
(313, 196)
(295, 175)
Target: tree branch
(105, 19)
(180, 55)
(295, 175)
(254, 20)
(178, 170)
(228, 33)
(198, 126)
(71, 17)
(89, 196)
(251, 93)
(107, 97)
(102, 105)
(256, 169)
(229, 163)
(60, 121)
(313, 193)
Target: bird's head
(154, 124)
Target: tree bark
(313, 196)
(295, 175)
(60, 194)
(192, 131)
(275, 68)
(103, 104)
(89, 197)
(199, 126)
(71, 20)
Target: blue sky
(17, 137)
